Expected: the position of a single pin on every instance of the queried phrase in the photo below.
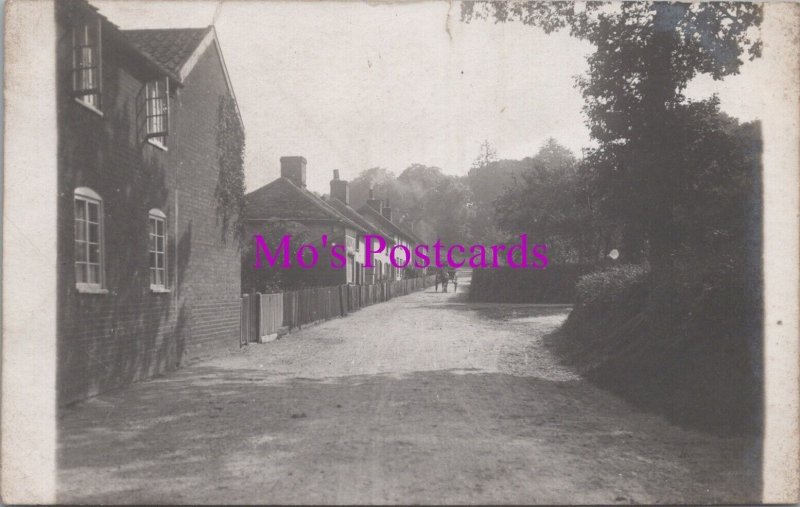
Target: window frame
(154, 216)
(78, 93)
(154, 100)
(88, 196)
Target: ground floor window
(88, 239)
(158, 249)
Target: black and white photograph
(435, 252)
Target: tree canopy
(645, 55)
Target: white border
(781, 124)
(29, 255)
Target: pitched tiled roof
(170, 48)
(375, 217)
(283, 200)
(353, 215)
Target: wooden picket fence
(263, 315)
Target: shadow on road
(212, 435)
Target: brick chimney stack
(340, 189)
(374, 203)
(386, 211)
(294, 170)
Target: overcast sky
(352, 85)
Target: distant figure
(437, 278)
(454, 278)
(444, 281)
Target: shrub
(610, 285)
(686, 343)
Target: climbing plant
(230, 186)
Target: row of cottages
(147, 278)
(286, 207)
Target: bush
(686, 343)
(556, 284)
(610, 285)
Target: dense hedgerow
(686, 344)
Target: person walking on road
(437, 278)
(454, 278)
(444, 281)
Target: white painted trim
(89, 106)
(89, 193)
(90, 288)
(154, 142)
(190, 62)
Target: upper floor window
(86, 68)
(158, 249)
(88, 239)
(157, 104)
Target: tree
(645, 55)
(447, 209)
(552, 203)
(486, 156)
(379, 179)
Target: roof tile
(170, 48)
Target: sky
(353, 85)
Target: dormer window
(86, 64)
(157, 100)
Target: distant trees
(552, 202)
(645, 54)
(487, 178)
(438, 205)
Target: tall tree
(645, 55)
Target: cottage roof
(384, 223)
(171, 48)
(283, 200)
(177, 50)
(354, 215)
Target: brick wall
(130, 333)
(106, 340)
(209, 288)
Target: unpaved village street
(423, 399)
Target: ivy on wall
(230, 186)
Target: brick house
(378, 219)
(339, 198)
(379, 214)
(146, 279)
(286, 206)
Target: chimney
(340, 189)
(294, 170)
(386, 211)
(374, 203)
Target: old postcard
(345, 252)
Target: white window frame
(87, 196)
(88, 96)
(154, 217)
(156, 96)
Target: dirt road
(424, 399)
